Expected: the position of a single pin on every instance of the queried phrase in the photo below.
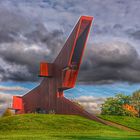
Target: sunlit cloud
(91, 104)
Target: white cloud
(12, 88)
(5, 101)
(91, 104)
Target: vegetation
(51, 112)
(59, 127)
(131, 122)
(7, 113)
(122, 105)
(136, 101)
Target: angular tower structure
(59, 76)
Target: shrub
(7, 113)
(51, 112)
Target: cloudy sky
(35, 30)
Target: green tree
(7, 113)
(136, 101)
(114, 105)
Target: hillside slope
(131, 122)
(39, 126)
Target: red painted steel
(18, 104)
(45, 69)
(61, 75)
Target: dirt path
(114, 124)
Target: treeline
(122, 105)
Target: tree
(136, 101)
(7, 113)
(114, 105)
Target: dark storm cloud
(115, 61)
(34, 31)
(136, 34)
(24, 42)
(20, 61)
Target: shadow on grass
(97, 138)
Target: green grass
(131, 122)
(59, 127)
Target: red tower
(59, 76)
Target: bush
(51, 112)
(136, 101)
(7, 113)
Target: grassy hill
(131, 122)
(59, 127)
